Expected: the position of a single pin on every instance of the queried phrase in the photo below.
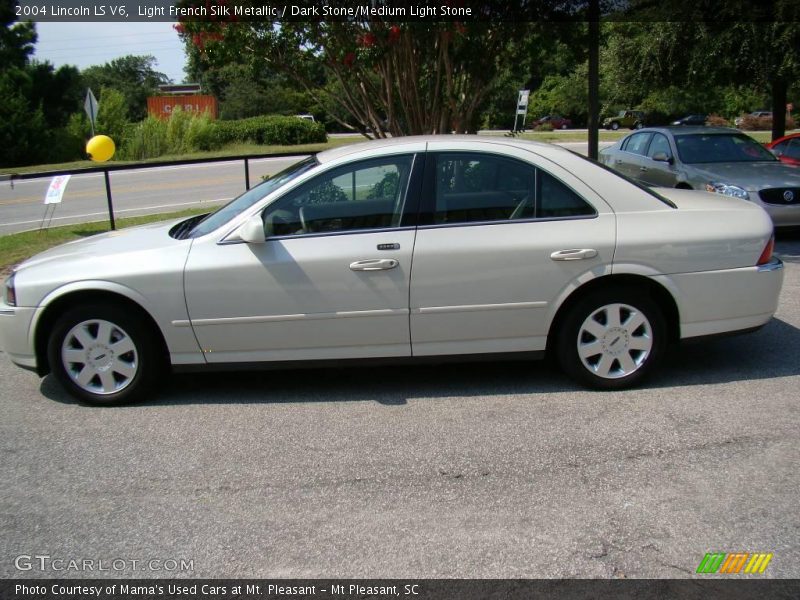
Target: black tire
(619, 344)
(637, 126)
(564, 126)
(614, 126)
(144, 362)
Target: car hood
(105, 246)
(752, 176)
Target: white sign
(56, 190)
(522, 102)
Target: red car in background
(557, 121)
(787, 149)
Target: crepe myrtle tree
(386, 77)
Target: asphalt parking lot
(489, 470)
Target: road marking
(94, 214)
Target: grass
(16, 247)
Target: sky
(86, 44)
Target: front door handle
(576, 254)
(374, 264)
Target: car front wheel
(615, 126)
(103, 355)
(612, 339)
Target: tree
(133, 76)
(16, 39)
(387, 78)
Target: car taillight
(766, 255)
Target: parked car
(698, 120)
(633, 119)
(557, 121)
(517, 247)
(787, 149)
(717, 159)
(757, 114)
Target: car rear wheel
(615, 126)
(563, 126)
(612, 339)
(104, 355)
(638, 126)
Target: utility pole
(594, 78)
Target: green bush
(270, 130)
(200, 133)
(177, 129)
(147, 139)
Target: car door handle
(374, 264)
(643, 168)
(576, 254)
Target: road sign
(90, 105)
(522, 108)
(56, 190)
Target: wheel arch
(660, 294)
(64, 299)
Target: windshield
(250, 197)
(720, 148)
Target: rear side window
(637, 143)
(474, 188)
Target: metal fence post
(110, 203)
(246, 174)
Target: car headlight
(10, 292)
(727, 190)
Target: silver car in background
(714, 159)
(517, 247)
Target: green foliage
(147, 139)
(272, 130)
(200, 133)
(112, 115)
(22, 127)
(177, 129)
(133, 76)
(186, 131)
(16, 39)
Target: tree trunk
(778, 108)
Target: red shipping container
(163, 106)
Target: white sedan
(406, 249)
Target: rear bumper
(719, 302)
(15, 339)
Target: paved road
(137, 192)
(495, 470)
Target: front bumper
(15, 338)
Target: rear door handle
(374, 264)
(576, 254)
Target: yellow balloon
(100, 148)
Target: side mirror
(662, 157)
(252, 230)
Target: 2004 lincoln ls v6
(405, 248)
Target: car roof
(683, 130)
(388, 143)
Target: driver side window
(367, 195)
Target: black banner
(385, 589)
(230, 11)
